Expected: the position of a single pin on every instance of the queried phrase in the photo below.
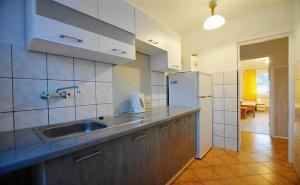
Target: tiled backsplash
(225, 115)
(159, 89)
(24, 75)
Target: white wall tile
(231, 104)
(218, 103)
(162, 92)
(155, 92)
(59, 101)
(103, 72)
(230, 91)
(162, 102)
(87, 95)
(60, 67)
(218, 91)
(231, 144)
(6, 101)
(161, 79)
(104, 109)
(217, 78)
(154, 78)
(155, 103)
(230, 131)
(28, 119)
(6, 122)
(86, 112)
(230, 77)
(28, 64)
(60, 115)
(104, 93)
(84, 70)
(27, 94)
(231, 118)
(218, 116)
(5, 60)
(218, 141)
(218, 129)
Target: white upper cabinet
(149, 30)
(89, 7)
(118, 13)
(52, 27)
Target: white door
(205, 126)
(118, 13)
(88, 7)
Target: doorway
(263, 86)
(255, 95)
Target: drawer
(116, 48)
(57, 32)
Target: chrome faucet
(65, 94)
(60, 92)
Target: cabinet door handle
(153, 41)
(139, 137)
(67, 37)
(178, 121)
(119, 51)
(175, 66)
(88, 156)
(164, 127)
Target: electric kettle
(137, 102)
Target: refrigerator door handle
(204, 96)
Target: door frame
(291, 88)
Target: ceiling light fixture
(214, 21)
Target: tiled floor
(262, 161)
(258, 124)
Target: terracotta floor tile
(292, 176)
(213, 182)
(256, 180)
(191, 183)
(234, 181)
(206, 174)
(276, 179)
(258, 168)
(198, 164)
(277, 166)
(187, 175)
(212, 161)
(262, 161)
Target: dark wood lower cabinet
(149, 157)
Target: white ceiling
(258, 63)
(188, 15)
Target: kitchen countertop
(25, 148)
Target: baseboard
(180, 171)
(280, 137)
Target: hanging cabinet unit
(162, 44)
(72, 28)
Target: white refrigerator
(194, 89)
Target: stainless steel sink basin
(68, 130)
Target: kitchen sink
(68, 130)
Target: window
(262, 79)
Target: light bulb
(213, 22)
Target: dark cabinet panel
(168, 152)
(149, 157)
(141, 155)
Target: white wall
(218, 49)
(297, 29)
